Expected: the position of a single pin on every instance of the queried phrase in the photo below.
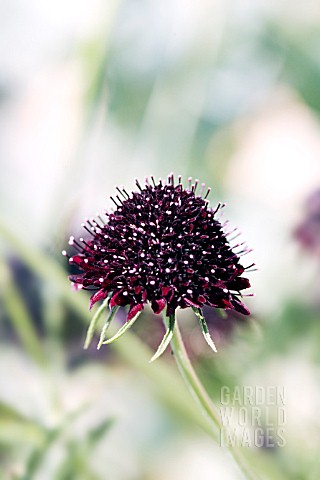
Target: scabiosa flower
(164, 245)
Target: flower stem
(200, 395)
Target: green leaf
(8, 413)
(106, 326)
(204, 328)
(93, 324)
(166, 339)
(14, 304)
(122, 330)
(17, 428)
(38, 455)
(98, 433)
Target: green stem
(20, 318)
(200, 395)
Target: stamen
(88, 222)
(239, 245)
(126, 193)
(208, 191)
(101, 219)
(138, 184)
(77, 245)
(83, 225)
(87, 244)
(114, 202)
(170, 179)
(94, 221)
(234, 237)
(249, 266)
(153, 181)
(119, 199)
(244, 252)
(121, 192)
(202, 189)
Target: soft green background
(94, 94)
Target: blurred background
(92, 95)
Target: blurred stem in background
(93, 58)
(20, 318)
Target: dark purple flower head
(164, 245)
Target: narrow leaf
(93, 324)
(204, 328)
(122, 330)
(166, 339)
(106, 326)
(98, 433)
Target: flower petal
(239, 306)
(118, 299)
(168, 293)
(192, 303)
(134, 309)
(158, 305)
(99, 295)
(239, 283)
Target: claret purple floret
(162, 244)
